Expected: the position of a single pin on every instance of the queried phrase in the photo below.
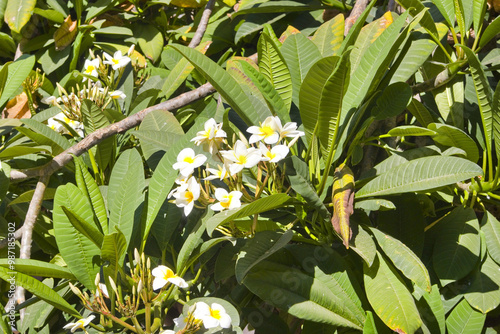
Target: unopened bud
(137, 257)
(97, 279)
(131, 50)
(139, 286)
(75, 290)
(113, 285)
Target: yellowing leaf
(385, 21)
(65, 34)
(18, 13)
(290, 30)
(343, 199)
(188, 3)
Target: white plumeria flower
(212, 316)
(289, 130)
(90, 68)
(164, 275)
(220, 173)
(187, 161)
(50, 100)
(226, 200)
(104, 289)
(187, 195)
(210, 137)
(57, 126)
(181, 321)
(80, 324)
(241, 157)
(117, 94)
(117, 61)
(268, 131)
(277, 153)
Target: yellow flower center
(80, 323)
(267, 131)
(115, 61)
(169, 274)
(225, 205)
(188, 160)
(242, 159)
(270, 155)
(90, 69)
(215, 314)
(189, 196)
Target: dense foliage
(327, 179)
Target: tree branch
(202, 26)
(357, 10)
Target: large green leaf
(4, 179)
(456, 252)
(37, 268)
(390, 298)
(353, 34)
(496, 119)
(226, 85)
(38, 289)
(404, 259)
(84, 227)
(431, 310)
(150, 40)
(18, 71)
(270, 94)
(284, 6)
(193, 241)
(478, 10)
(448, 135)
(393, 101)
(18, 13)
(4, 323)
(420, 112)
(373, 64)
(308, 296)
(483, 93)
(89, 187)
(80, 254)
(447, 9)
(259, 248)
(491, 228)
(114, 247)
(260, 205)
(273, 67)
(125, 193)
(93, 117)
(364, 245)
(311, 92)
(329, 36)
(490, 32)
(157, 132)
(465, 320)
(415, 7)
(47, 136)
(421, 174)
(299, 54)
(483, 293)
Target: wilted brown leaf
(343, 200)
(17, 107)
(65, 34)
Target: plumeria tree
(264, 166)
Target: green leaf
(415, 7)
(113, 250)
(193, 240)
(93, 117)
(491, 228)
(362, 243)
(496, 119)
(299, 54)
(80, 253)
(490, 32)
(311, 92)
(150, 40)
(179, 73)
(329, 36)
(393, 101)
(478, 11)
(27, 196)
(432, 310)
(283, 6)
(125, 193)
(157, 132)
(410, 130)
(273, 67)
(369, 327)
(447, 9)
(483, 93)
(259, 248)
(18, 13)
(420, 112)
(465, 320)
(483, 293)
(373, 64)
(403, 259)
(48, 136)
(226, 85)
(4, 180)
(448, 135)
(17, 72)
(353, 34)
(89, 187)
(456, 252)
(84, 227)
(273, 99)
(4, 323)
(37, 268)
(390, 298)
(421, 174)
(38, 289)
(260, 205)
(308, 296)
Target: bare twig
(202, 26)
(357, 10)
(29, 223)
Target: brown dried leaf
(343, 200)
(65, 34)
(17, 107)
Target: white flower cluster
(241, 156)
(55, 123)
